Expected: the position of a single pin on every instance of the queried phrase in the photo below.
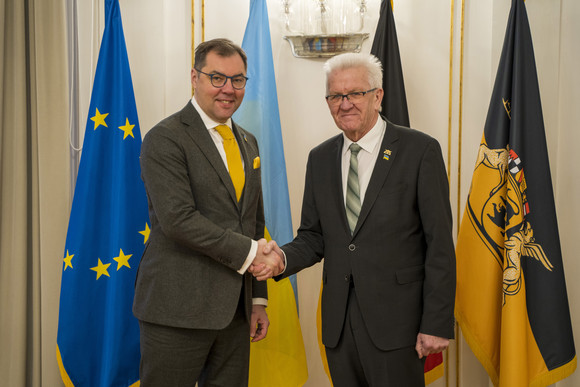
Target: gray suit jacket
(200, 235)
(401, 256)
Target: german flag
(511, 302)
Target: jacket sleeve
(308, 246)
(436, 219)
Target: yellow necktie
(234, 159)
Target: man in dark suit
(195, 301)
(376, 207)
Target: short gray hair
(351, 60)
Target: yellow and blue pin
(387, 154)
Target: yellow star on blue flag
(128, 129)
(99, 119)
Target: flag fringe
(480, 354)
(545, 379)
(63, 374)
(555, 375)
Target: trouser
(356, 361)
(178, 357)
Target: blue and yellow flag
(512, 304)
(98, 337)
(283, 348)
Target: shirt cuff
(259, 301)
(250, 258)
(285, 262)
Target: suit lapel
(385, 160)
(199, 134)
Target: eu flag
(283, 348)
(98, 337)
(512, 303)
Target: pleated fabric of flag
(98, 337)
(386, 48)
(512, 304)
(279, 359)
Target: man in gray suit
(376, 207)
(196, 303)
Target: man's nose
(228, 87)
(345, 103)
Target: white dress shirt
(367, 157)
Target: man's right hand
(269, 261)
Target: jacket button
(346, 278)
(351, 247)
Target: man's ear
(193, 78)
(379, 98)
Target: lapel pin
(386, 154)
(245, 138)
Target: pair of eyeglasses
(354, 97)
(219, 80)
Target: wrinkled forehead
(346, 79)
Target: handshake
(269, 261)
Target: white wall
(158, 35)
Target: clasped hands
(269, 261)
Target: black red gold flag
(386, 49)
(512, 304)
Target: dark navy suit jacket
(400, 257)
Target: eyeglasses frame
(226, 76)
(347, 96)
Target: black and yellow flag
(512, 304)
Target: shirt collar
(369, 140)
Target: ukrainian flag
(283, 348)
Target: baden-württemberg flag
(98, 337)
(512, 304)
(282, 351)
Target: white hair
(351, 60)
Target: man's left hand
(427, 344)
(259, 323)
